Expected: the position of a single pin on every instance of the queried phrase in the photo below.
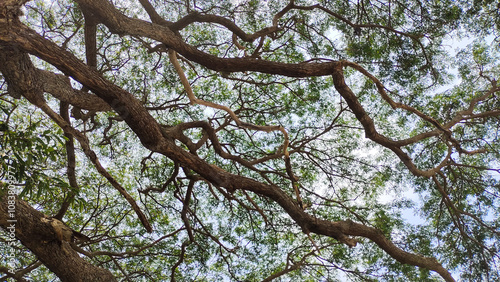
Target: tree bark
(33, 230)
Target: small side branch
(266, 128)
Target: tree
(250, 140)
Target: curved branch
(149, 132)
(21, 74)
(122, 25)
(371, 132)
(395, 105)
(230, 25)
(266, 128)
(192, 98)
(60, 87)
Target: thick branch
(120, 24)
(21, 75)
(60, 87)
(40, 237)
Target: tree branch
(39, 236)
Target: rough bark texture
(38, 235)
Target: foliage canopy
(252, 140)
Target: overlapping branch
(21, 75)
(265, 128)
(150, 133)
(155, 138)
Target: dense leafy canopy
(253, 140)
